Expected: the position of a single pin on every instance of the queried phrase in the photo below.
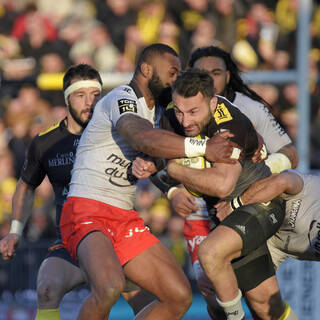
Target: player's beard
(77, 117)
(201, 125)
(155, 85)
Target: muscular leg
(56, 277)
(267, 303)
(215, 254)
(104, 272)
(158, 272)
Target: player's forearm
(159, 143)
(198, 180)
(263, 190)
(22, 202)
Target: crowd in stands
(47, 36)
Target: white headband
(81, 84)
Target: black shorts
(256, 223)
(253, 268)
(58, 250)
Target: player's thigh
(99, 261)
(157, 271)
(59, 274)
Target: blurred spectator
(174, 239)
(19, 116)
(160, 213)
(31, 19)
(96, 46)
(260, 32)
(226, 15)
(7, 184)
(149, 19)
(117, 15)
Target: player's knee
(108, 291)
(209, 255)
(184, 297)
(181, 303)
(50, 293)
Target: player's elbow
(224, 190)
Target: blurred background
(276, 44)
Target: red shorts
(195, 231)
(124, 228)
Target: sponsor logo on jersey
(295, 206)
(127, 90)
(117, 174)
(61, 159)
(135, 230)
(222, 114)
(127, 105)
(195, 242)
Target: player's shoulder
(122, 97)
(226, 111)
(121, 92)
(53, 129)
(249, 105)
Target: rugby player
(98, 224)
(228, 83)
(298, 236)
(52, 153)
(196, 119)
(282, 153)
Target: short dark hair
(235, 84)
(82, 71)
(192, 81)
(156, 49)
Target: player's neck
(72, 126)
(143, 86)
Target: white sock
(233, 308)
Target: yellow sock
(48, 314)
(288, 314)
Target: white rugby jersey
(263, 121)
(103, 155)
(299, 235)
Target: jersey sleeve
(32, 171)
(123, 104)
(268, 127)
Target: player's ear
(213, 105)
(146, 70)
(228, 77)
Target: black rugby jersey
(229, 117)
(52, 153)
